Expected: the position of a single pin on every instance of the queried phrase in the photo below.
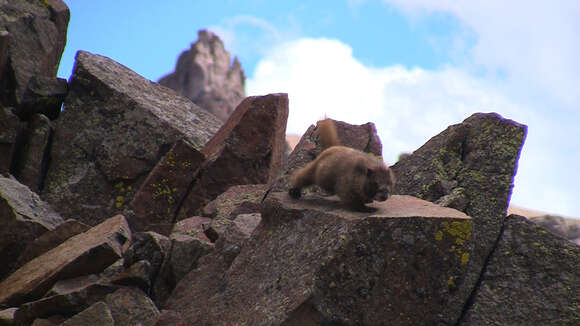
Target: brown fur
(356, 177)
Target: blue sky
(412, 67)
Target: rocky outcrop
(115, 127)
(535, 273)
(23, 218)
(255, 256)
(471, 167)
(204, 75)
(33, 36)
(310, 260)
(80, 255)
(247, 149)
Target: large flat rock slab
(83, 254)
(115, 127)
(312, 262)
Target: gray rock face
(115, 127)
(470, 167)
(536, 276)
(341, 267)
(23, 217)
(32, 38)
(204, 75)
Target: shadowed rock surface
(31, 162)
(115, 128)
(23, 218)
(345, 266)
(532, 278)
(204, 75)
(32, 38)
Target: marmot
(356, 177)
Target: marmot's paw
(294, 192)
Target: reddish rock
(206, 75)
(83, 254)
(194, 226)
(115, 128)
(310, 258)
(51, 239)
(156, 203)
(32, 159)
(23, 217)
(31, 45)
(246, 150)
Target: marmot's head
(379, 184)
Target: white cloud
(534, 42)
(408, 106)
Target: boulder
(156, 203)
(97, 314)
(31, 161)
(533, 275)
(12, 132)
(188, 244)
(244, 199)
(86, 253)
(310, 262)
(206, 75)
(470, 167)
(130, 306)
(51, 239)
(362, 137)
(32, 41)
(23, 217)
(149, 246)
(115, 127)
(246, 150)
(68, 303)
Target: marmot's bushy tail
(327, 133)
